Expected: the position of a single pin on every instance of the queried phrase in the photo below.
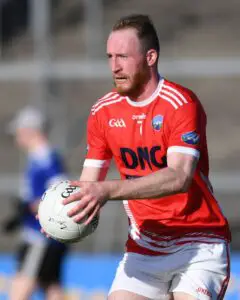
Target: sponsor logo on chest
(117, 123)
(139, 117)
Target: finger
(74, 197)
(76, 183)
(84, 213)
(78, 207)
(92, 215)
(37, 217)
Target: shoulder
(109, 100)
(177, 96)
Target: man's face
(127, 61)
(23, 137)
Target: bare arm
(93, 174)
(176, 178)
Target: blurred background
(52, 55)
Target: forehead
(122, 41)
(22, 130)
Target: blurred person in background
(39, 259)
(155, 129)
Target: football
(53, 218)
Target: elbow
(184, 183)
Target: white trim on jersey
(169, 100)
(161, 243)
(94, 110)
(96, 163)
(108, 95)
(133, 228)
(173, 96)
(175, 91)
(150, 99)
(172, 245)
(112, 97)
(185, 150)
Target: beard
(136, 86)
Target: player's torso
(139, 136)
(136, 137)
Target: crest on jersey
(157, 122)
(191, 138)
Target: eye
(124, 56)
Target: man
(39, 259)
(156, 131)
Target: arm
(186, 129)
(93, 174)
(176, 178)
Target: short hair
(146, 31)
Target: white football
(53, 216)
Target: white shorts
(198, 269)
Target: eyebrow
(117, 54)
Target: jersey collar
(151, 98)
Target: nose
(115, 65)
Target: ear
(152, 57)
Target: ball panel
(54, 219)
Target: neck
(148, 89)
(37, 144)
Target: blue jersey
(43, 168)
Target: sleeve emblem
(191, 138)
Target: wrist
(111, 189)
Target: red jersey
(139, 135)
